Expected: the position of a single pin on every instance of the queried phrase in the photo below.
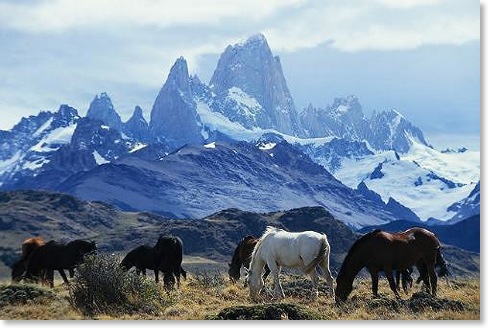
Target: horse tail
(441, 263)
(324, 246)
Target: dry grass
(203, 296)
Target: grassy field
(208, 294)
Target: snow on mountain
(200, 179)
(466, 207)
(251, 78)
(102, 109)
(32, 142)
(422, 180)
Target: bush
(101, 286)
(23, 294)
(208, 280)
(282, 311)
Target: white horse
(308, 251)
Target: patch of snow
(42, 127)
(7, 164)
(267, 146)
(34, 165)
(247, 105)
(105, 127)
(99, 158)
(54, 139)
(137, 146)
(210, 145)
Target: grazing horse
(383, 251)
(242, 258)
(142, 257)
(308, 251)
(56, 256)
(169, 254)
(166, 256)
(28, 246)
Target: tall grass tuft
(100, 286)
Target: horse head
(342, 290)
(234, 273)
(256, 283)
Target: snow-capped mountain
(424, 180)
(200, 130)
(251, 89)
(387, 130)
(31, 144)
(466, 207)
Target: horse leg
(433, 279)
(391, 281)
(63, 275)
(266, 273)
(374, 282)
(315, 283)
(278, 290)
(397, 279)
(324, 265)
(156, 274)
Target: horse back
(30, 244)
(169, 252)
(142, 257)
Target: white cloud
(65, 51)
(61, 15)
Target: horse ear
(229, 264)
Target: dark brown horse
(57, 256)
(382, 251)
(166, 256)
(242, 257)
(406, 276)
(28, 246)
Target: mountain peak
(101, 108)
(137, 126)
(251, 67)
(257, 39)
(173, 116)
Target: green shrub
(101, 286)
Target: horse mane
(235, 257)
(267, 232)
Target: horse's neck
(236, 260)
(352, 265)
(257, 265)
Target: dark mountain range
(196, 181)
(24, 214)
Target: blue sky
(420, 57)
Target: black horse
(142, 257)
(52, 256)
(166, 256)
(169, 252)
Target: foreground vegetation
(210, 295)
